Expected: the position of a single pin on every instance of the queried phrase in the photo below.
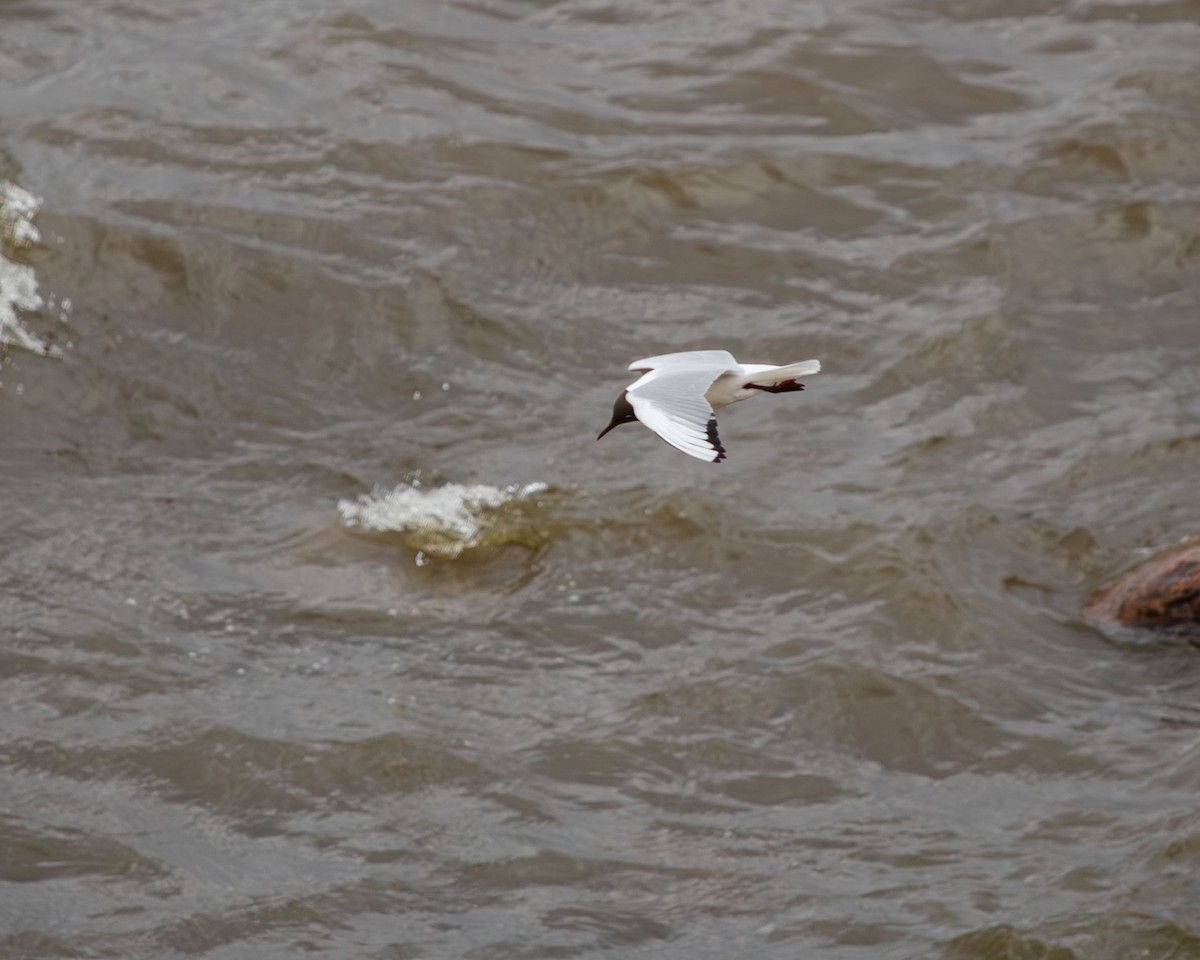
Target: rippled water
(830, 698)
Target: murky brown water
(831, 698)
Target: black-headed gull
(678, 392)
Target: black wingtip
(715, 441)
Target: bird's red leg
(785, 386)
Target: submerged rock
(1162, 592)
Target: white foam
(444, 521)
(18, 284)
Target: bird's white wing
(670, 401)
(720, 360)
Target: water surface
(830, 698)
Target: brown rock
(1163, 591)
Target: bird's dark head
(622, 413)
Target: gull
(678, 392)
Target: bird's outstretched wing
(669, 399)
(720, 360)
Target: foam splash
(444, 521)
(18, 284)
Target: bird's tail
(777, 379)
(805, 368)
